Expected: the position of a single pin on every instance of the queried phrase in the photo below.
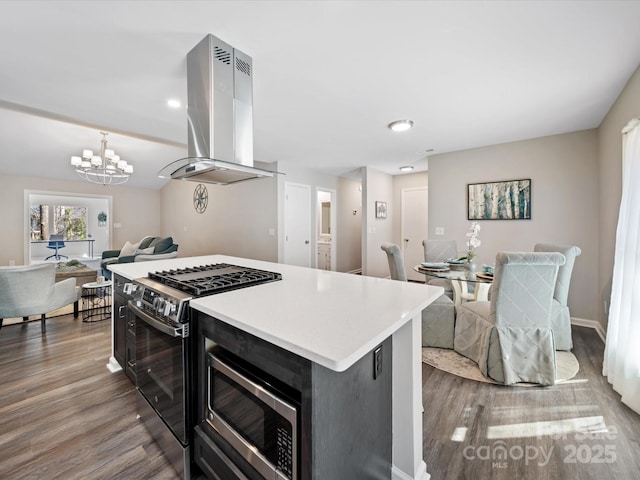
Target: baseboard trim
(113, 365)
(583, 322)
(421, 473)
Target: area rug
(450, 361)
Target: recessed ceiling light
(401, 125)
(407, 168)
(173, 103)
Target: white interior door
(415, 228)
(297, 224)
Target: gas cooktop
(214, 278)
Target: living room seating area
(149, 248)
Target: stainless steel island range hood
(220, 117)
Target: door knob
(306, 242)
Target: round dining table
(467, 286)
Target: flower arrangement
(472, 240)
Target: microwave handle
(280, 406)
(181, 331)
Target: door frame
(333, 226)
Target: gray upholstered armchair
(440, 251)
(510, 337)
(560, 315)
(438, 318)
(32, 290)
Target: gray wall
(626, 107)
(564, 202)
(376, 186)
(349, 238)
(237, 221)
(303, 176)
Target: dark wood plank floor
(64, 415)
(573, 431)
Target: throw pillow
(146, 242)
(162, 244)
(128, 249)
(145, 251)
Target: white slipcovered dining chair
(560, 315)
(510, 337)
(438, 318)
(32, 290)
(440, 251)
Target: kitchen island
(333, 320)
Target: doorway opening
(325, 229)
(79, 224)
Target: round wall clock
(200, 198)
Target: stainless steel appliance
(254, 415)
(220, 117)
(164, 348)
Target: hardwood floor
(574, 431)
(64, 415)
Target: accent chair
(510, 337)
(440, 251)
(32, 290)
(560, 315)
(438, 319)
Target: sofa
(149, 248)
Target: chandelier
(106, 168)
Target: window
(46, 220)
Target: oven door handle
(182, 331)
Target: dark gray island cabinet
(314, 337)
(124, 328)
(344, 419)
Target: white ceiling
(328, 77)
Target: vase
(472, 266)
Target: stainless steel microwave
(254, 418)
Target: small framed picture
(381, 209)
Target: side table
(96, 301)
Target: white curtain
(622, 350)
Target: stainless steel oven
(254, 416)
(165, 349)
(163, 370)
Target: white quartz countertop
(327, 317)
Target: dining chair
(56, 242)
(560, 315)
(440, 251)
(510, 336)
(32, 290)
(438, 319)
